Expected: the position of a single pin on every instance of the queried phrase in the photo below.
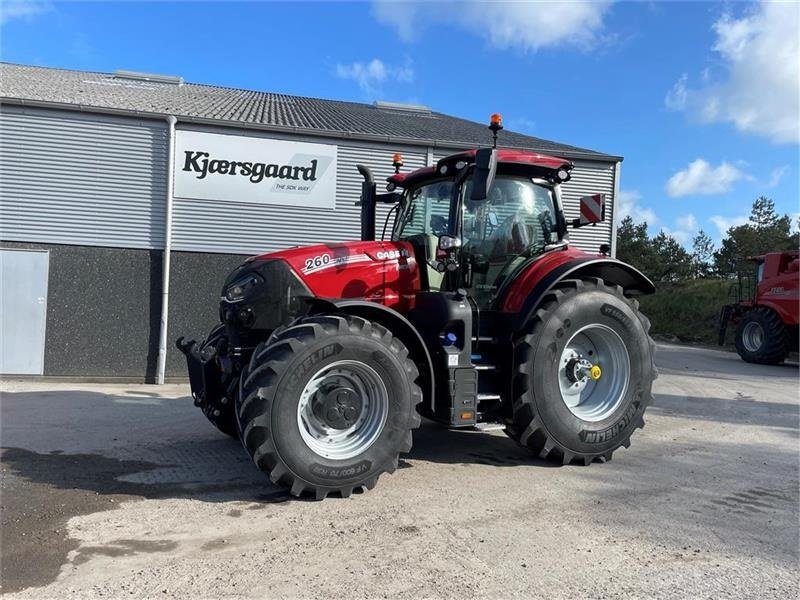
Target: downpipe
(165, 268)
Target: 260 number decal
(317, 262)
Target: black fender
(394, 322)
(611, 270)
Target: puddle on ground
(123, 548)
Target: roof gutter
(366, 137)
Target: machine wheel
(584, 373)
(761, 337)
(328, 405)
(220, 413)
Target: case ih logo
(202, 164)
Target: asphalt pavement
(125, 491)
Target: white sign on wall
(211, 166)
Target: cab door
(514, 223)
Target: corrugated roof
(238, 107)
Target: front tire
(328, 405)
(761, 337)
(584, 373)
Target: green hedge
(688, 310)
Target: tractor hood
(270, 290)
(383, 272)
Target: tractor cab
(478, 217)
(474, 241)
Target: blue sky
(700, 98)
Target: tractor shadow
(123, 446)
(701, 362)
(741, 410)
(97, 449)
(434, 443)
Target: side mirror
(449, 242)
(485, 169)
(593, 210)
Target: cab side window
(428, 210)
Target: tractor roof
(504, 157)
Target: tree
(661, 258)
(763, 215)
(766, 231)
(634, 246)
(672, 262)
(702, 254)
(632, 240)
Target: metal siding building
(84, 164)
(74, 178)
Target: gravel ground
(125, 491)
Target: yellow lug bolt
(595, 372)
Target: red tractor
(475, 310)
(766, 309)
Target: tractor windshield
(518, 216)
(516, 221)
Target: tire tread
(525, 426)
(253, 412)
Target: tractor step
(489, 426)
(487, 397)
(484, 367)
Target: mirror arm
(390, 198)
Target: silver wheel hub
(753, 336)
(342, 410)
(593, 372)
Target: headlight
(241, 287)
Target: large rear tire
(584, 373)
(761, 337)
(328, 405)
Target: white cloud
(628, 206)
(520, 124)
(370, 76)
(676, 97)
(724, 223)
(701, 179)
(760, 92)
(22, 9)
(686, 228)
(526, 26)
(776, 175)
(687, 222)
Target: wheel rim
(753, 336)
(342, 410)
(593, 372)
